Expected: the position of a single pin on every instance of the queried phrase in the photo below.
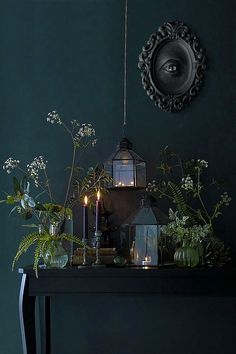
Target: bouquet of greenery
(181, 183)
(51, 212)
(182, 233)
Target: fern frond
(28, 241)
(72, 238)
(37, 255)
(180, 202)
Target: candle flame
(86, 200)
(98, 195)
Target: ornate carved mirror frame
(172, 66)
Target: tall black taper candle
(85, 218)
(98, 212)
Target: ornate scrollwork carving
(172, 66)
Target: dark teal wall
(68, 56)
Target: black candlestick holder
(98, 262)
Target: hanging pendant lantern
(127, 169)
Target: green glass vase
(186, 256)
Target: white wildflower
(54, 118)
(199, 232)
(152, 186)
(10, 164)
(86, 130)
(202, 163)
(225, 199)
(33, 168)
(187, 183)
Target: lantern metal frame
(124, 153)
(147, 209)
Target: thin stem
(199, 216)
(71, 174)
(180, 165)
(39, 184)
(48, 185)
(68, 130)
(188, 206)
(199, 195)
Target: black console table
(152, 281)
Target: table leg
(27, 317)
(45, 321)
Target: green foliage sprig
(42, 243)
(181, 182)
(179, 230)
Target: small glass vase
(186, 257)
(55, 256)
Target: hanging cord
(125, 68)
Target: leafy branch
(187, 193)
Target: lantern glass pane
(108, 169)
(123, 173)
(141, 173)
(146, 244)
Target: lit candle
(85, 218)
(147, 261)
(98, 212)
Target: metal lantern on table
(127, 169)
(140, 233)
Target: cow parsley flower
(54, 118)
(225, 199)
(85, 131)
(187, 183)
(33, 168)
(152, 186)
(10, 164)
(202, 163)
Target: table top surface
(157, 272)
(132, 280)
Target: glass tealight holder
(147, 262)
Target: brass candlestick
(98, 262)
